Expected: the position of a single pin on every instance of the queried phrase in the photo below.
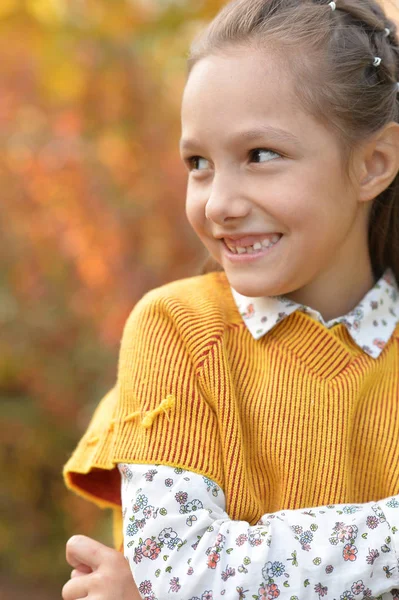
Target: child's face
(295, 186)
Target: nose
(225, 201)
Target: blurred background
(91, 218)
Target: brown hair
(334, 76)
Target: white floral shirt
(180, 542)
(370, 323)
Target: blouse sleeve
(180, 543)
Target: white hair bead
(333, 5)
(377, 61)
(387, 32)
(397, 87)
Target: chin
(251, 285)
(250, 289)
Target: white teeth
(266, 243)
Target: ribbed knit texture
(301, 417)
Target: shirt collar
(370, 324)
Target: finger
(80, 572)
(76, 573)
(82, 550)
(76, 588)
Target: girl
(270, 384)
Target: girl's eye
(262, 152)
(194, 162)
(259, 155)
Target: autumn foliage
(91, 217)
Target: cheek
(310, 218)
(195, 212)
(319, 226)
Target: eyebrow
(278, 134)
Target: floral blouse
(180, 542)
(370, 323)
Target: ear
(378, 162)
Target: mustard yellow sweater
(301, 417)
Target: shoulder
(206, 295)
(203, 303)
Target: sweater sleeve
(180, 543)
(90, 472)
(164, 414)
(156, 412)
(93, 455)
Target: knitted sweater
(301, 417)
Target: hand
(100, 572)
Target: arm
(180, 543)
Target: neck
(337, 291)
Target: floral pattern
(180, 543)
(370, 324)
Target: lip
(244, 258)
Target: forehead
(238, 85)
(247, 89)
